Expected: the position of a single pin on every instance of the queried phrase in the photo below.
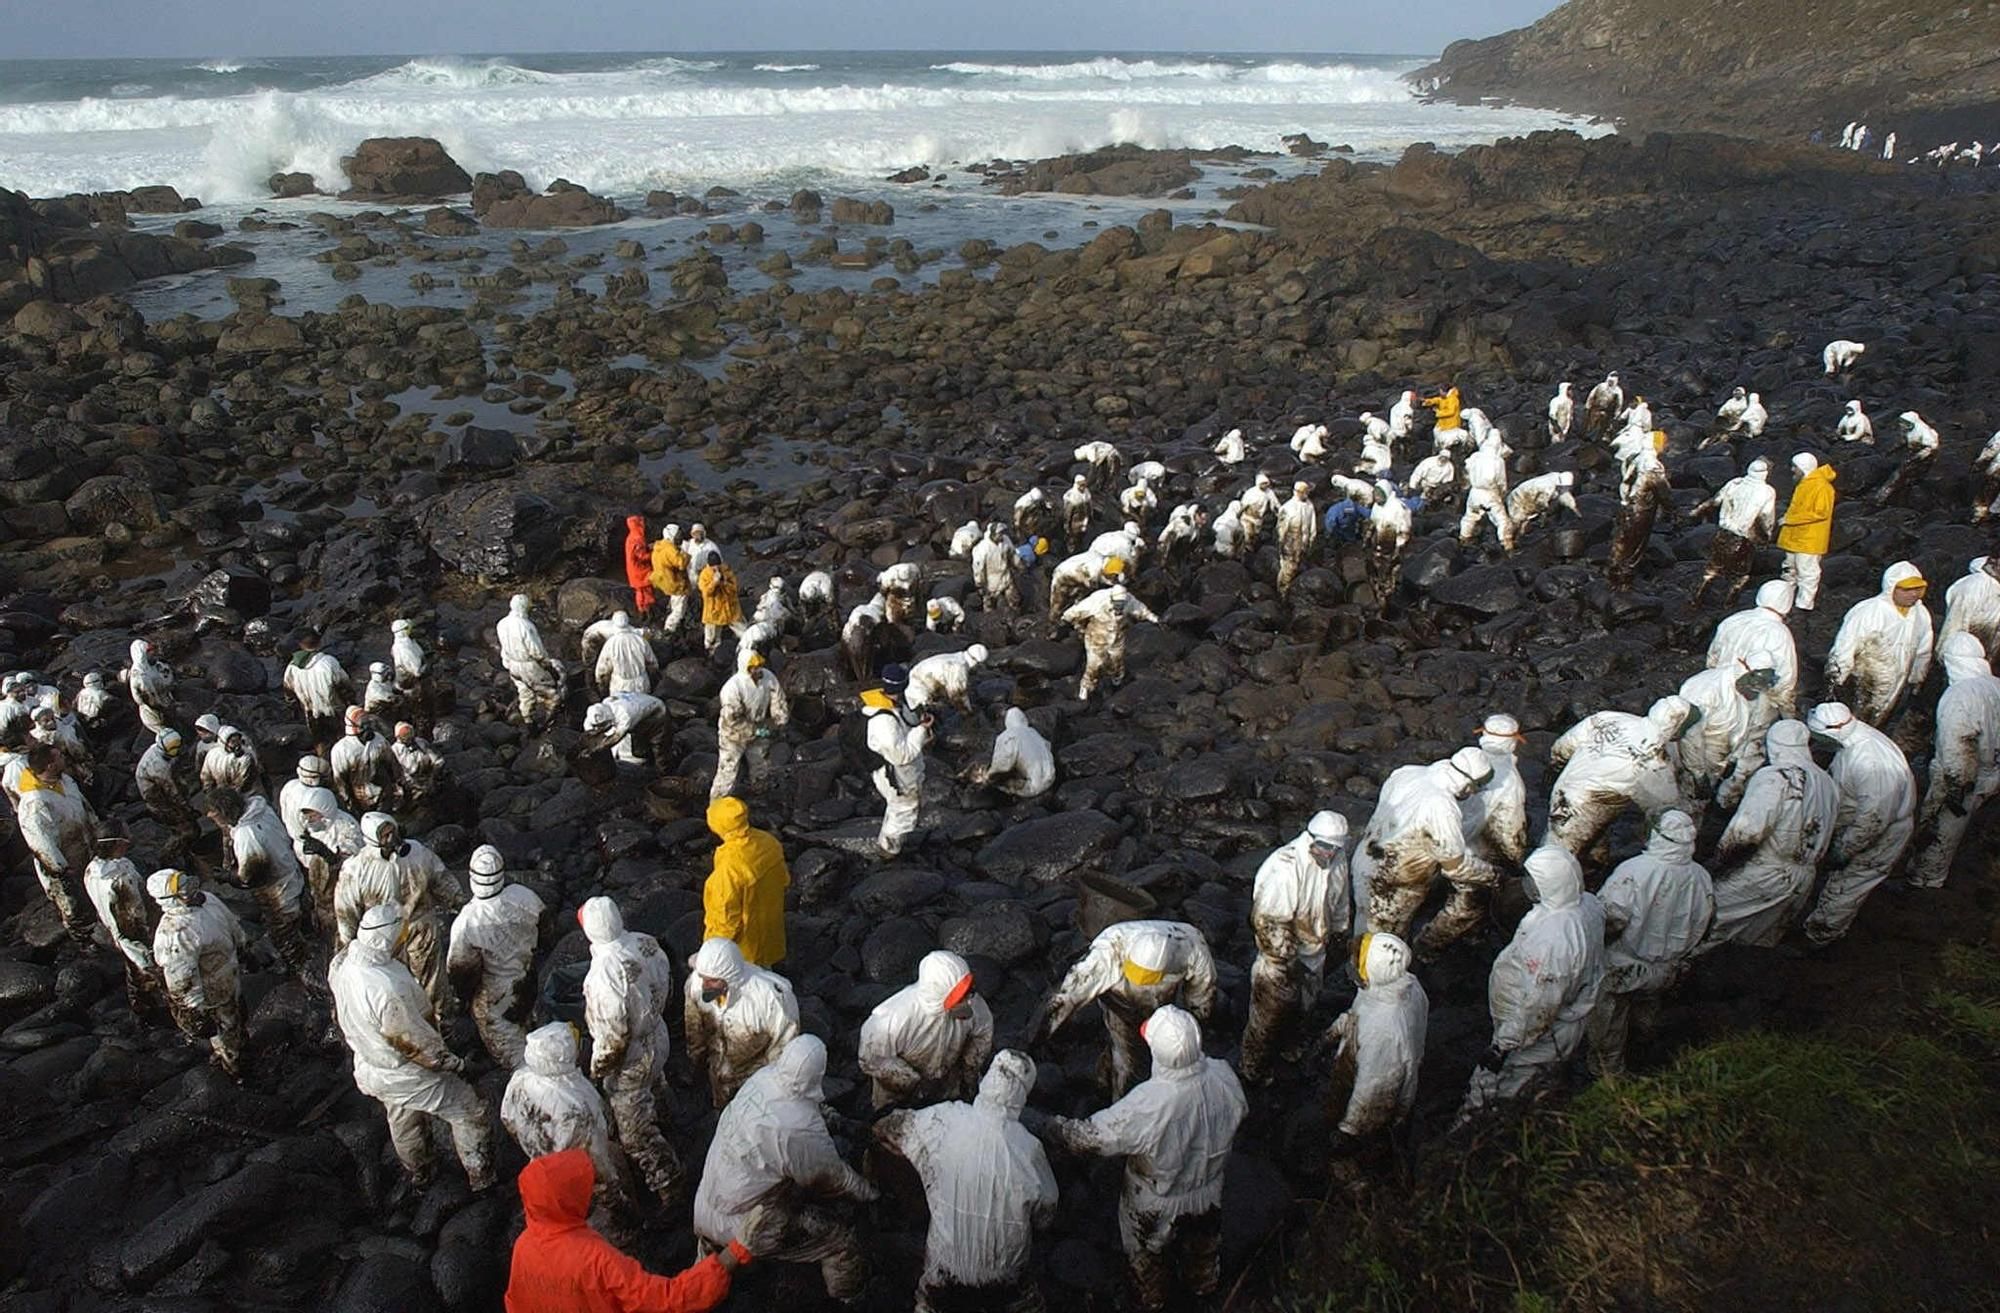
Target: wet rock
(493, 532)
(248, 1199)
(1111, 171)
(1483, 589)
(477, 450)
(255, 334)
(24, 986)
(46, 320)
(895, 891)
(385, 1283)
(1047, 850)
(848, 210)
(1004, 931)
(112, 499)
(890, 954)
(286, 186)
(447, 222)
(402, 169)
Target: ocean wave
(131, 90)
(448, 72)
(785, 68)
(219, 66)
(1106, 69)
(669, 64)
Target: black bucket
(562, 993)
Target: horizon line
(731, 50)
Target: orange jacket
(638, 553)
(1808, 525)
(562, 1266)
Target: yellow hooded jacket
(1446, 407)
(719, 603)
(670, 568)
(744, 898)
(1808, 522)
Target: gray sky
(82, 29)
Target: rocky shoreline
(216, 485)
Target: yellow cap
(1361, 957)
(1041, 547)
(754, 661)
(1116, 565)
(1659, 439)
(1915, 581)
(876, 698)
(1143, 976)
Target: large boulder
(477, 450)
(1047, 850)
(112, 499)
(502, 200)
(402, 169)
(493, 532)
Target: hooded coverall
(1875, 823)
(1776, 840)
(743, 899)
(625, 997)
(917, 1046)
(550, 1106)
(1883, 648)
(753, 701)
(195, 946)
(490, 960)
(1657, 908)
(1965, 765)
(1132, 969)
(743, 1027)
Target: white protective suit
(1103, 619)
(1875, 823)
(1175, 1131)
(400, 1059)
(551, 1106)
(752, 703)
(320, 684)
(334, 837)
(744, 1027)
(1494, 818)
(408, 659)
(1972, 606)
(963, 539)
(1073, 577)
(943, 615)
(1543, 985)
(1139, 501)
(363, 766)
(1657, 909)
(309, 775)
(622, 721)
(1415, 836)
(1022, 764)
(93, 700)
(1532, 498)
(537, 676)
(1230, 448)
(1776, 842)
(626, 664)
(1885, 649)
(1965, 763)
(1726, 746)
(1260, 503)
(1382, 1034)
(774, 1134)
(625, 998)
(1762, 628)
(491, 955)
(1104, 459)
(1402, 416)
(260, 851)
(406, 873)
(1228, 530)
(987, 1183)
(60, 831)
(1298, 533)
(945, 678)
(1855, 425)
(118, 892)
(898, 738)
(1309, 441)
(1612, 760)
(1433, 476)
(195, 947)
(928, 1041)
(993, 569)
(1131, 970)
(1076, 510)
(151, 684)
(380, 694)
(1486, 492)
(1301, 902)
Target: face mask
(1825, 742)
(714, 993)
(963, 1012)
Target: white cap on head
(1472, 763)
(1500, 725)
(976, 654)
(1805, 462)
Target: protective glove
(1493, 1059)
(316, 848)
(452, 1063)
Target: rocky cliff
(1764, 67)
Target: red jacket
(638, 553)
(562, 1266)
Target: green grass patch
(1761, 1170)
